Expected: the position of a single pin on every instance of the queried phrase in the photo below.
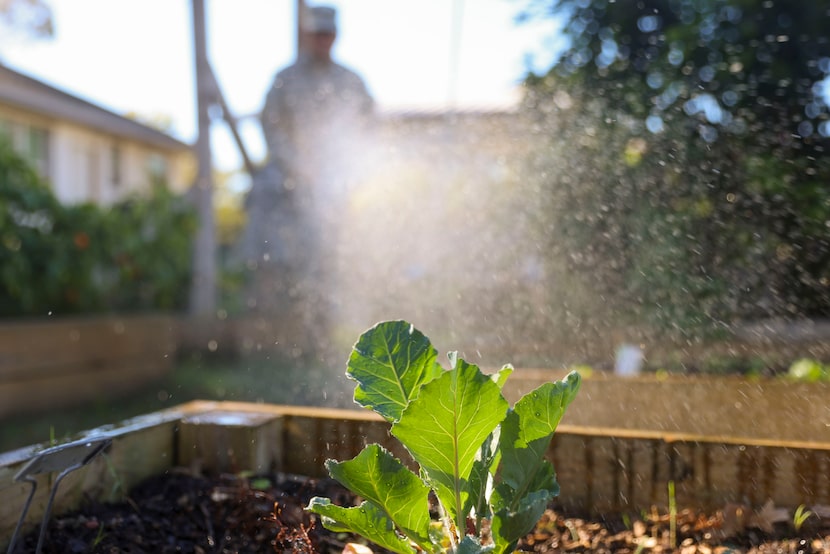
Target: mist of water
(445, 229)
(544, 236)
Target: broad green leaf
(379, 477)
(523, 465)
(390, 362)
(508, 526)
(541, 410)
(366, 520)
(525, 437)
(444, 427)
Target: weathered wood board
(51, 364)
(713, 406)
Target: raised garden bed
(603, 471)
(46, 364)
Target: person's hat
(319, 19)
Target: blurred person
(314, 120)
(314, 107)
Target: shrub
(84, 259)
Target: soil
(183, 513)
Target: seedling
(672, 516)
(99, 537)
(801, 515)
(483, 460)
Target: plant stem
(672, 516)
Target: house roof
(24, 92)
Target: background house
(87, 153)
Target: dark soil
(183, 513)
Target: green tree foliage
(691, 139)
(75, 259)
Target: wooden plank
(310, 441)
(228, 441)
(45, 348)
(611, 474)
(52, 364)
(775, 409)
(77, 387)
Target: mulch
(179, 512)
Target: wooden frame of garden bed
(52, 363)
(600, 470)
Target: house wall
(139, 163)
(85, 165)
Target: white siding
(81, 165)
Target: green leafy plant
(83, 258)
(809, 370)
(801, 515)
(98, 538)
(482, 460)
(672, 516)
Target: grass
(249, 380)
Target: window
(115, 166)
(30, 142)
(37, 149)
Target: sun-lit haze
(426, 55)
(653, 200)
(482, 225)
(134, 56)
